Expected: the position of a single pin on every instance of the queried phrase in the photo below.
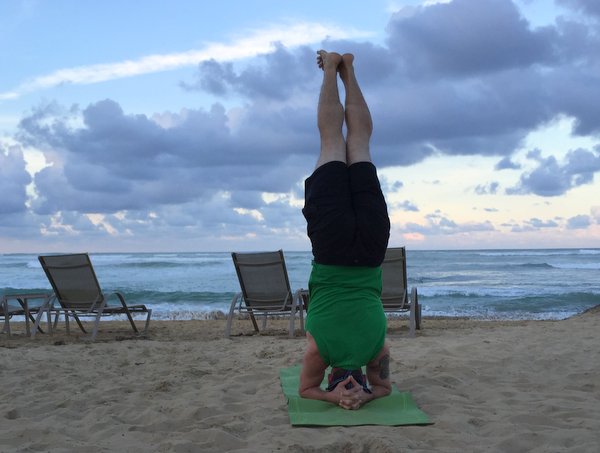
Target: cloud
(254, 43)
(388, 186)
(459, 78)
(438, 224)
(591, 7)
(13, 180)
(506, 164)
(467, 37)
(537, 223)
(116, 161)
(552, 178)
(270, 78)
(485, 189)
(533, 224)
(406, 206)
(579, 222)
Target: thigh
(329, 213)
(370, 209)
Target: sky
(191, 126)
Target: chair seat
(78, 292)
(395, 295)
(265, 289)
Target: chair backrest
(263, 279)
(394, 291)
(73, 280)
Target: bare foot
(346, 65)
(328, 60)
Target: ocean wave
(590, 251)
(168, 259)
(445, 278)
(534, 265)
(549, 252)
(531, 307)
(33, 264)
(503, 292)
(580, 266)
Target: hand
(353, 398)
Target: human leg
(330, 113)
(328, 204)
(372, 221)
(358, 116)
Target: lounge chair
(25, 308)
(395, 296)
(78, 292)
(265, 289)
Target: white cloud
(254, 43)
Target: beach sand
(528, 386)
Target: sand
(529, 386)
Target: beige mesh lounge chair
(78, 292)
(394, 296)
(21, 305)
(265, 289)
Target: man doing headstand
(348, 226)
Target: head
(338, 375)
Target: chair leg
(38, 319)
(254, 323)
(293, 319)
(413, 313)
(67, 324)
(264, 322)
(23, 303)
(147, 322)
(56, 319)
(6, 324)
(300, 308)
(96, 325)
(78, 321)
(50, 330)
(234, 301)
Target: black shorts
(348, 223)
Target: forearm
(379, 391)
(347, 400)
(317, 393)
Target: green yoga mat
(396, 409)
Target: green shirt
(345, 314)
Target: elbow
(303, 392)
(386, 389)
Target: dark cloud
(579, 222)
(13, 180)
(531, 225)
(438, 224)
(537, 223)
(467, 37)
(460, 78)
(485, 189)
(552, 178)
(466, 77)
(406, 206)
(585, 6)
(118, 161)
(275, 76)
(506, 164)
(390, 186)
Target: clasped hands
(352, 398)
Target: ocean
(481, 284)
